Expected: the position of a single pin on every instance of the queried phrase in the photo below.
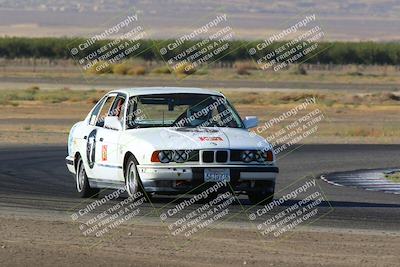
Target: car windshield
(181, 110)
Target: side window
(95, 113)
(117, 108)
(105, 111)
(130, 113)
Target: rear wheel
(82, 182)
(264, 194)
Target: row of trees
(325, 53)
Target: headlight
(263, 156)
(247, 156)
(180, 156)
(259, 156)
(165, 156)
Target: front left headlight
(258, 156)
(265, 156)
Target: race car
(163, 140)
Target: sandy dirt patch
(60, 243)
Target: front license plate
(217, 175)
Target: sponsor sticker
(210, 139)
(104, 153)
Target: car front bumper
(69, 161)
(168, 179)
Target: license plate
(217, 175)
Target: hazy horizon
(341, 20)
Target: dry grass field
(38, 116)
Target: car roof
(165, 90)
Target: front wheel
(82, 182)
(132, 180)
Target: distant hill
(351, 20)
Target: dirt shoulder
(47, 243)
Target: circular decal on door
(91, 148)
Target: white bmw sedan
(162, 140)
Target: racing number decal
(91, 148)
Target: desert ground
(39, 107)
(57, 242)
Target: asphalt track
(35, 179)
(110, 82)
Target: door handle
(101, 139)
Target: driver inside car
(199, 114)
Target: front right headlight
(165, 156)
(247, 156)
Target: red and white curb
(373, 180)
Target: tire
(82, 182)
(133, 184)
(264, 195)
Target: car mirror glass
(250, 122)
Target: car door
(88, 140)
(108, 166)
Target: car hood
(198, 138)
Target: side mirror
(112, 122)
(250, 122)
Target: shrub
(249, 65)
(27, 94)
(242, 71)
(355, 73)
(100, 67)
(299, 70)
(92, 100)
(137, 70)
(295, 97)
(203, 71)
(185, 68)
(121, 69)
(53, 97)
(162, 70)
(390, 96)
(33, 89)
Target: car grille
(218, 156)
(235, 155)
(221, 156)
(208, 156)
